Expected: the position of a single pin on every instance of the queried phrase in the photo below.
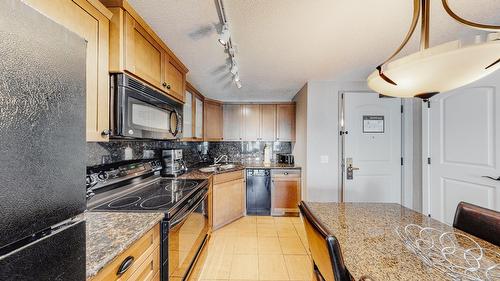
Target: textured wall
(194, 152)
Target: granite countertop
(370, 244)
(110, 233)
(195, 173)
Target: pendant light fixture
(438, 69)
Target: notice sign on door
(373, 124)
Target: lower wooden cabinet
(145, 256)
(228, 198)
(286, 191)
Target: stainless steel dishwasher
(259, 192)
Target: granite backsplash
(193, 152)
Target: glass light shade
(438, 69)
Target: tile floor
(258, 248)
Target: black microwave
(285, 158)
(140, 112)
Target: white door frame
(341, 130)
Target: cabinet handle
(164, 84)
(106, 132)
(168, 86)
(125, 265)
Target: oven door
(186, 236)
(147, 116)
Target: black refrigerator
(42, 147)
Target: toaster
(285, 158)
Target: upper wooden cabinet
(233, 122)
(259, 122)
(193, 115)
(213, 129)
(90, 20)
(285, 116)
(136, 49)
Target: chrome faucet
(219, 159)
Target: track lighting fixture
(236, 77)
(225, 35)
(238, 84)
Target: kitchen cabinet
(267, 122)
(90, 20)
(213, 129)
(228, 198)
(136, 49)
(285, 122)
(193, 115)
(145, 254)
(285, 191)
(251, 122)
(232, 122)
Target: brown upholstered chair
(478, 221)
(328, 263)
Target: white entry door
(465, 146)
(372, 146)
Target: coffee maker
(173, 164)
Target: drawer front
(149, 269)
(140, 251)
(289, 173)
(230, 176)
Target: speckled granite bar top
(110, 233)
(369, 243)
(195, 173)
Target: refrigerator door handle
(125, 265)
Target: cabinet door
(268, 122)
(175, 81)
(228, 202)
(232, 122)
(251, 122)
(198, 117)
(187, 119)
(285, 115)
(213, 121)
(144, 57)
(87, 21)
(286, 194)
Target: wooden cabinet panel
(285, 194)
(268, 122)
(285, 122)
(188, 119)
(213, 128)
(174, 80)
(232, 122)
(144, 57)
(90, 20)
(199, 122)
(251, 122)
(193, 114)
(145, 252)
(136, 49)
(228, 198)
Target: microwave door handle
(180, 220)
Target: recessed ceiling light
(225, 35)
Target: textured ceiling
(284, 43)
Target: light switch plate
(323, 159)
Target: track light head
(238, 84)
(234, 68)
(236, 77)
(225, 35)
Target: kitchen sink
(227, 166)
(208, 169)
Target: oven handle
(189, 211)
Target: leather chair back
(478, 221)
(325, 249)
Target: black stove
(161, 194)
(137, 186)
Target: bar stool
(328, 263)
(478, 221)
